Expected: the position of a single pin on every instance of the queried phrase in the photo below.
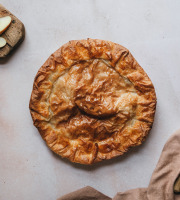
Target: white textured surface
(149, 29)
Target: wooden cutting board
(14, 35)
(177, 185)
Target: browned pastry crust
(92, 101)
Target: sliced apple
(4, 23)
(2, 42)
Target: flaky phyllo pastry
(92, 101)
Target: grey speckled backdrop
(149, 29)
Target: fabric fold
(135, 194)
(86, 193)
(166, 171)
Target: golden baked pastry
(92, 101)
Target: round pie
(92, 101)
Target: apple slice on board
(4, 23)
(13, 35)
(2, 42)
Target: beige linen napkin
(161, 183)
(88, 193)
